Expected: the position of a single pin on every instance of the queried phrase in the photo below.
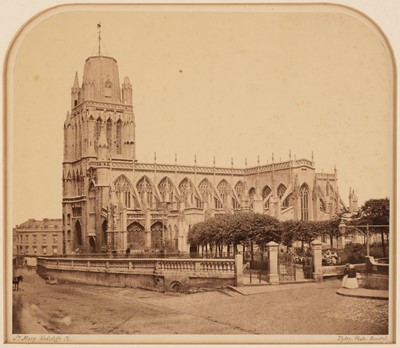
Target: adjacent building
(38, 238)
(112, 202)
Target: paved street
(81, 309)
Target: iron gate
(255, 269)
(287, 267)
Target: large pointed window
(123, 191)
(166, 189)
(265, 193)
(304, 202)
(188, 194)
(281, 192)
(145, 190)
(239, 189)
(252, 193)
(224, 190)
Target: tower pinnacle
(99, 32)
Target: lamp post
(343, 227)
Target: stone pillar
(316, 250)
(273, 274)
(238, 270)
(147, 231)
(274, 207)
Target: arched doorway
(136, 236)
(104, 227)
(156, 236)
(92, 245)
(78, 233)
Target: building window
(224, 190)
(45, 238)
(304, 202)
(109, 132)
(252, 193)
(26, 249)
(27, 238)
(35, 249)
(35, 239)
(265, 193)
(119, 137)
(55, 238)
(54, 250)
(44, 250)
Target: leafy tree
(376, 211)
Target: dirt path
(82, 309)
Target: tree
(377, 212)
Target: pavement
(261, 289)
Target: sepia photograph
(200, 173)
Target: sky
(212, 83)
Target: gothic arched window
(265, 193)
(167, 190)
(123, 191)
(119, 137)
(205, 189)
(109, 132)
(281, 191)
(304, 202)
(145, 190)
(252, 193)
(223, 190)
(239, 188)
(98, 127)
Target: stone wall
(155, 274)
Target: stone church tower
(99, 130)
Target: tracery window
(145, 190)
(304, 202)
(167, 190)
(123, 191)
(224, 190)
(265, 193)
(252, 193)
(239, 188)
(205, 190)
(281, 192)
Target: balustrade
(191, 266)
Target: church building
(112, 202)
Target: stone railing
(143, 272)
(226, 266)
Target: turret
(75, 92)
(353, 201)
(126, 91)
